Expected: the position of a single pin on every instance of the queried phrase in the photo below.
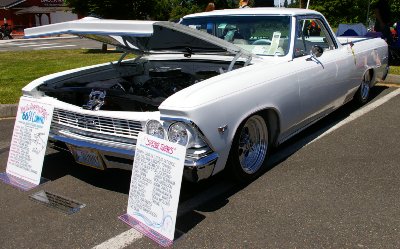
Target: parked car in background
(228, 85)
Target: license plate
(87, 157)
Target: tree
(348, 11)
(128, 9)
(336, 11)
(144, 9)
(286, 4)
(294, 4)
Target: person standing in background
(383, 18)
(210, 7)
(244, 4)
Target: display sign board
(29, 140)
(155, 187)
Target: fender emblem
(222, 129)
(96, 100)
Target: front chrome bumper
(195, 169)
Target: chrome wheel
(253, 144)
(365, 88)
(362, 94)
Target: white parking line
(124, 239)
(38, 45)
(10, 44)
(5, 42)
(120, 241)
(61, 46)
(24, 43)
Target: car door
(319, 87)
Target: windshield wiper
(188, 53)
(191, 50)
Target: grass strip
(18, 68)
(394, 70)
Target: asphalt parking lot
(67, 42)
(340, 190)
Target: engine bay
(133, 85)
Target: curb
(10, 110)
(392, 78)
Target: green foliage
(163, 8)
(342, 11)
(181, 11)
(336, 11)
(144, 9)
(394, 70)
(175, 9)
(348, 11)
(113, 9)
(294, 4)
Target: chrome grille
(105, 125)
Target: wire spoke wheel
(253, 144)
(364, 90)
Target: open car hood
(142, 37)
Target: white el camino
(228, 85)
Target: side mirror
(317, 51)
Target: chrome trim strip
(184, 120)
(202, 161)
(80, 143)
(55, 128)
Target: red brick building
(20, 14)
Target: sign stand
(28, 144)
(129, 220)
(155, 188)
(19, 182)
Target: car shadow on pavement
(60, 164)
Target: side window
(311, 32)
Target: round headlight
(177, 133)
(155, 128)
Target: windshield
(261, 35)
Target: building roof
(10, 3)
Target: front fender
(255, 91)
